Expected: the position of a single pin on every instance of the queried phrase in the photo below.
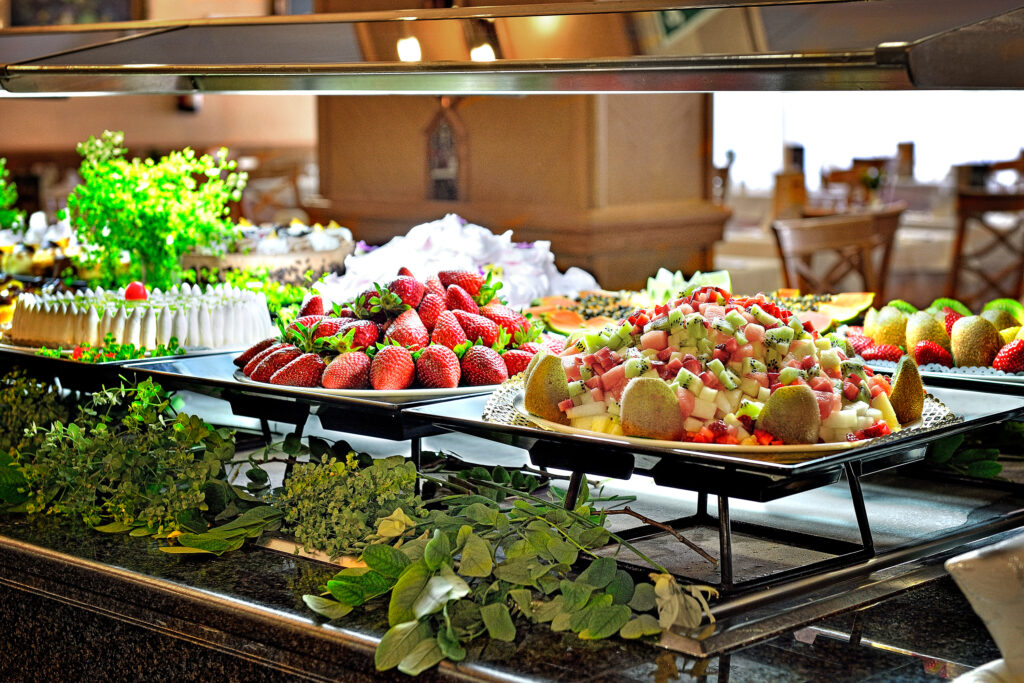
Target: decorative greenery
(127, 462)
(155, 210)
(976, 453)
(27, 401)
(333, 506)
(469, 568)
(112, 351)
(9, 216)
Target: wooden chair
(849, 240)
(886, 221)
(988, 256)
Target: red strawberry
(350, 370)
(274, 362)
(430, 307)
(255, 349)
(506, 318)
(554, 343)
(314, 305)
(477, 327)
(328, 327)
(951, 317)
(882, 352)
(481, 365)
(434, 286)
(405, 271)
(854, 329)
(304, 371)
(458, 299)
(471, 282)
(516, 360)
(408, 330)
(409, 290)
(929, 352)
(306, 321)
(392, 369)
(255, 360)
(447, 331)
(438, 368)
(533, 347)
(365, 334)
(1011, 357)
(859, 342)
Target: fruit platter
(946, 339)
(448, 334)
(713, 371)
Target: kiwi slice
(1011, 306)
(957, 306)
(902, 305)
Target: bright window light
(409, 49)
(482, 53)
(946, 127)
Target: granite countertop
(77, 603)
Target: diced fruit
(881, 404)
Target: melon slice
(847, 306)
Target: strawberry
(350, 370)
(1011, 357)
(438, 367)
(477, 327)
(274, 362)
(434, 286)
(255, 349)
(405, 271)
(408, 289)
(447, 330)
(314, 305)
(364, 335)
(854, 329)
(430, 307)
(306, 321)
(392, 369)
(516, 360)
(506, 318)
(304, 371)
(926, 352)
(859, 342)
(481, 366)
(882, 352)
(951, 317)
(249, 367)
(533, 347)
(328, 327)
(458, 299)
(471, 282)
(408, 330)
(554, 343)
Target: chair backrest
(886, 222)
(988, 253)
(848, 240)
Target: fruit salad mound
(447, 331)
(710, 367)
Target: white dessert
(223, 316)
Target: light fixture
(409, 49)
(482, 53)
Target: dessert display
(710, 367)
(285, 252)
(212, 318)
(945, 337)
(446, 331)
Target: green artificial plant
(9, 216)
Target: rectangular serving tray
(1003, 384)
(738, 475)
(214, 375)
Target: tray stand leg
(265, 428)
(859, 509)
(416, 454)
(572, 491)
(724, 542)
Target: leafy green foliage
(9, 216)
(157, 210)
(977, 453)
(125, 461)
(473, 569)
(335, 505)
(26, 401)
(110, 350)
